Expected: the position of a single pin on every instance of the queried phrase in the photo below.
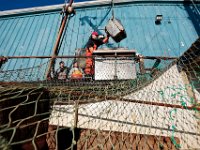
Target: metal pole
(133, 101)
(75, 138)
(159, 57)
(55, 49)
(115, 67)
(83, 56)
(142, 66)
(161, 104)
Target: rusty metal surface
(123, 141)
(93, 139)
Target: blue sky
(17, 4)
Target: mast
(67, 11)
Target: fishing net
(22, 74)
(158, 109)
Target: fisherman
(76, 72)
(94, 42)
(3, 60)
(62, 72)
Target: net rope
(155, 110)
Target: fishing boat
(145, 90)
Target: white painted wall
(163, 89)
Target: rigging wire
(62, 17)
(195, 7)
(112, 7)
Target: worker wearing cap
(93, 43)
(62, 71)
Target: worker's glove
(137, 57)
(101, 37)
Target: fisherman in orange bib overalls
(76, 72)
(93, 43)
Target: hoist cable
(195, 7)
(112, 7)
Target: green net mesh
(158, 109)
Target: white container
(116, 30)
(114, 68)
